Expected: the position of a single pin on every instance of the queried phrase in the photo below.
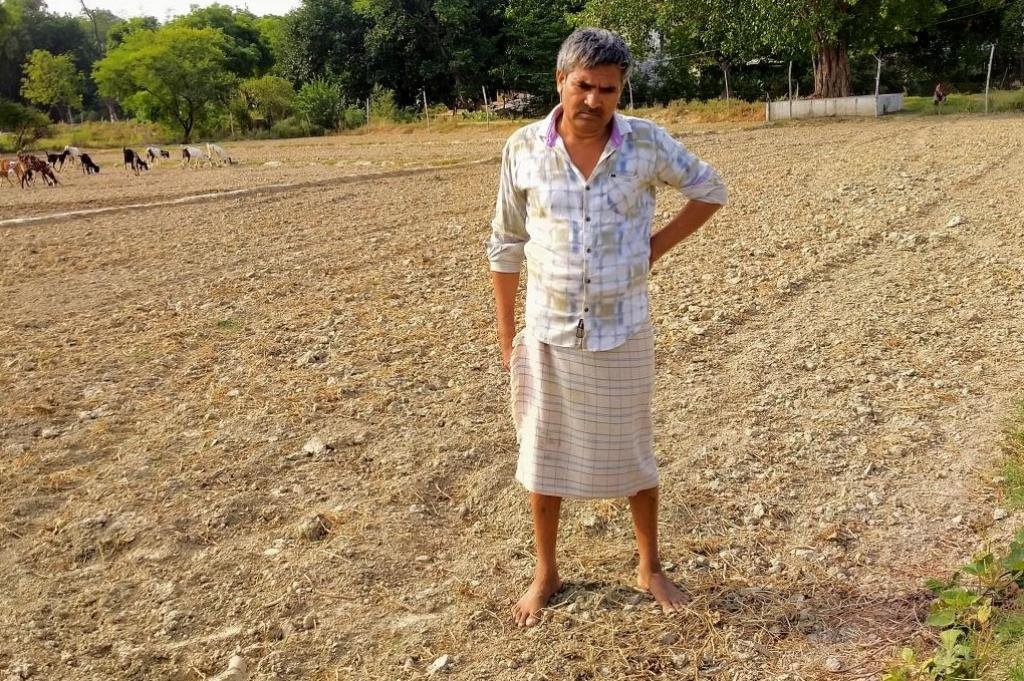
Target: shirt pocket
(624, 195)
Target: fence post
(988, 78)
(487, 107)
(791, 90)
(878, 80)
(367, 110)
(426, 113)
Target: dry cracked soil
(275, 423)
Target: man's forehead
(600, 76)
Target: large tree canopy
(175, 74)
(245, 48)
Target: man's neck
(570, 136)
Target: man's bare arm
(505, 285)
(686, 222)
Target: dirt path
(835, 358)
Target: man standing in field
(575, 200)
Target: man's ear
(559, 80)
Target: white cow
(215, 151)
(189, 154)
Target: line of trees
(218, 68)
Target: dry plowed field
(275, 421)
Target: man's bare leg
(546, 582)
(644, 506)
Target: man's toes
(532, 621)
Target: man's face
(589, 97)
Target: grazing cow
(222, 156)
(156, 153)
(73, 153)
(133, 161)
(189, 154)
(88, 167)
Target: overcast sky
(163, 9)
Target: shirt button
(587, 187)
(588, 250)
(586, 309)
(588, 281)
(587, 218)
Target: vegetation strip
(979, 610)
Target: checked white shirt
(587, 242)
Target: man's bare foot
(526, 613)
(668, 595)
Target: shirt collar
(549, 131)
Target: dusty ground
(836, 355)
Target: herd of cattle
(25, 167)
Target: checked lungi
(583, 418)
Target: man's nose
(592, 99)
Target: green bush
(20, 126)
(353, 117)
(293, 127)
(321, 103)
(383, 108)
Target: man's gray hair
(588, 48)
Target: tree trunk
(726, 67)
(832, 70)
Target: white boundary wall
(863, 105)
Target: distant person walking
(938, 97)
(576, 198)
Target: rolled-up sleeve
(679, 168)
(507, 243)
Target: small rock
(875, 498)
(49, 433)
(316, 528)
(955, 221)
(417, 508)
(272, 164)
(668, 638)
(272, 551)
(309, 621)
(311, 357)
(233, 392)
(423, 559)
(956, 520)
(315, 447)
(437, 665)
(834, 664)
(238, 670)
(999, 514)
